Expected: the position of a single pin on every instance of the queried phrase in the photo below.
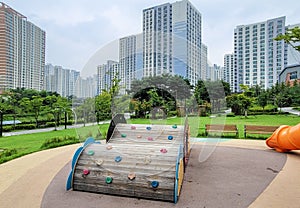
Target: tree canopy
(291, 36)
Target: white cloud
(77, 28)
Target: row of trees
(20, 102)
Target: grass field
(28, 143)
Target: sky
(78, 29)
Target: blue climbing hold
(154, 184)
(148, 128)
(170, 137)
(118, 159)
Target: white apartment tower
(22, 51)
(172, 40)
(130, 60)
(60, 80)
(204, 64)
(105, 74)
(229, 73)
(127, 60)
(258, 58)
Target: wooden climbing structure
(144, 161)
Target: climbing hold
(170, 137)
(108, 179)
(174, 126)
(85, 172)
(118, 159)
(123, 135)
(131, 176)
(150, 139)
(99, 162)
(138, 136)
(109, 147)
(163, 150)
(154, 184)
(133, 127)
(147, 160)
(148, 128)
(91, 152)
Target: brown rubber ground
(238, 173)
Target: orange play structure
(285, 138)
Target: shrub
(59, 141)
(230, 115)
(25, 126)
(8, 152)
(49, 124)
(7, 128)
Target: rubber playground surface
(235, 173)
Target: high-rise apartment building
(172, 40)
(86, 87)
(215, 73)
(105, 74)
(204, 64)
(22, 51)
(130, 60)
(258, 57)
(230, 75)
(60, 80)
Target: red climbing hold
(86, 172)
(150, 139)
(163, 150)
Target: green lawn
(28, 143)
(197, 124)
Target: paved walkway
(25, 180)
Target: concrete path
(24, 181)
(290, 110)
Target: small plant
(59, 141)
(8, 152)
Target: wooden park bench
(220, 128)
(255, 129)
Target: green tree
(291, 37)
(103, 106)
(4, 107)
(262, 100)
(36, 105)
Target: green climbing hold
(174, 126)
(91, 152)
(108, 179)
(123, 135)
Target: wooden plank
(139, 193)
(255, 129)
(122, 181)
(143, 171)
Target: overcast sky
(77, 29)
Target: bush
(25, 126)
(230, 115)
(258, 110)
(49, 124)
(59, 141)
(7, 128)
(172, 113)
(8, 152)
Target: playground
(237, 173)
